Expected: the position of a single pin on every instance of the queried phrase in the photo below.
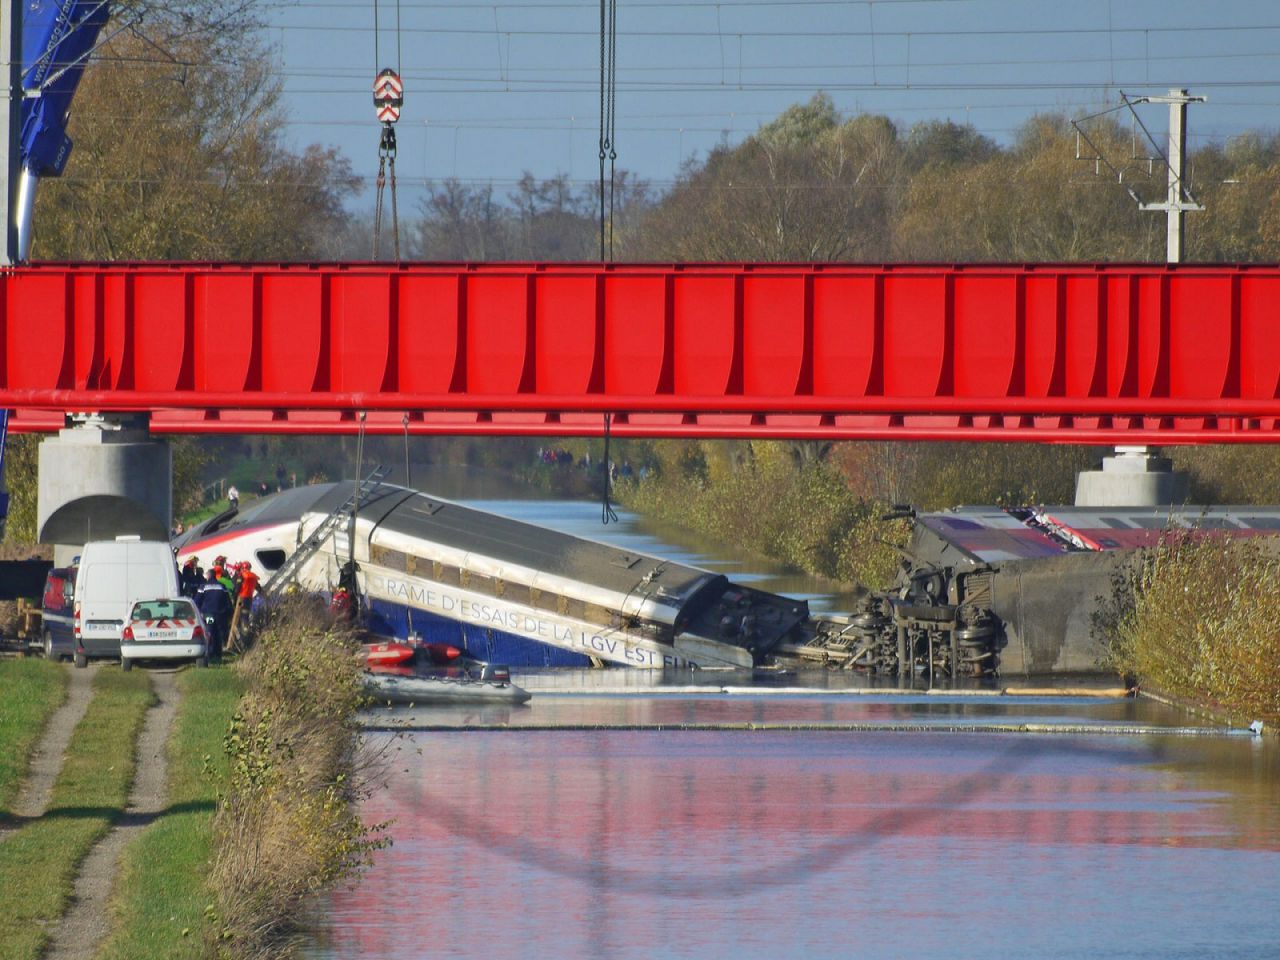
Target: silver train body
(982, 590)
(504, 590)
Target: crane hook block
(388, 96)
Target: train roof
(422, 517)
(988, 534)
(287, 506)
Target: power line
(585, 184)
(650, 4)
(507, 72)
(694, 86)
(803, 34)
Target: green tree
(21, 457)
(808, 186)
(1033, 203)
(179, 155)
(941, 143)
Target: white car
(170, 629)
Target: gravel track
(87, 922)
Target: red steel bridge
(1080, 353)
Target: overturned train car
(500, 589)
(985, 590)
(981, 591)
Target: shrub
(1204, 624)
(287, 824)
(803, 514)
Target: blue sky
(495, 89)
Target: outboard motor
(495, 673)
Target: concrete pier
(1134, 477)
(101, 478)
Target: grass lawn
(204, 513)
(33, 689)
(38, 861)
(160, 899)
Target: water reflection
(676, 707)
(653, 843)
(650, 843)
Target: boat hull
(425, 691)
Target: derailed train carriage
(500, 589)
(983, 590)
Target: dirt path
(46, 760)
(86, 924)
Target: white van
(114, 575)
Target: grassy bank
(159, 910)
(264, 776)
(33, 690)
(38, 861)
(287, 826)
(1200, 620)
(806, 517)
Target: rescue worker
(191, 579)
(223, 576)
(248, 585)
(340, 605)
(215, 606)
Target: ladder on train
(328, 526)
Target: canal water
(761, 821)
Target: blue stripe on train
(481, 642)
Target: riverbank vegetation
(287, 825)
(766, 502)
(1199, 619)
(39, 859)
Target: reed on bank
(805, 517)
(1199, 619)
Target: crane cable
(388, 98)
(608, 104)
(607, 513)
(608, 151)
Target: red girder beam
(1085, 353)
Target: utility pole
(10, 122)
(1179, 199)
(1136, 476)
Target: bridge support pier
(1134, 477)
(102, 477)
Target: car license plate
(161, 634)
